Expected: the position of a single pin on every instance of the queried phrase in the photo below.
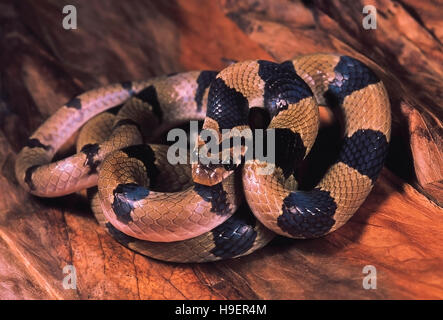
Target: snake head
(210, 174)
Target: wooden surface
(399, 229)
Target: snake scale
(188, 213)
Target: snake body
(186, 214)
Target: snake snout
(209, 174)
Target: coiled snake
(186, 214)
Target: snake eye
(281, 104)
(278, 104)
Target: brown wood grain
(398, 229)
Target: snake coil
(186, 213)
